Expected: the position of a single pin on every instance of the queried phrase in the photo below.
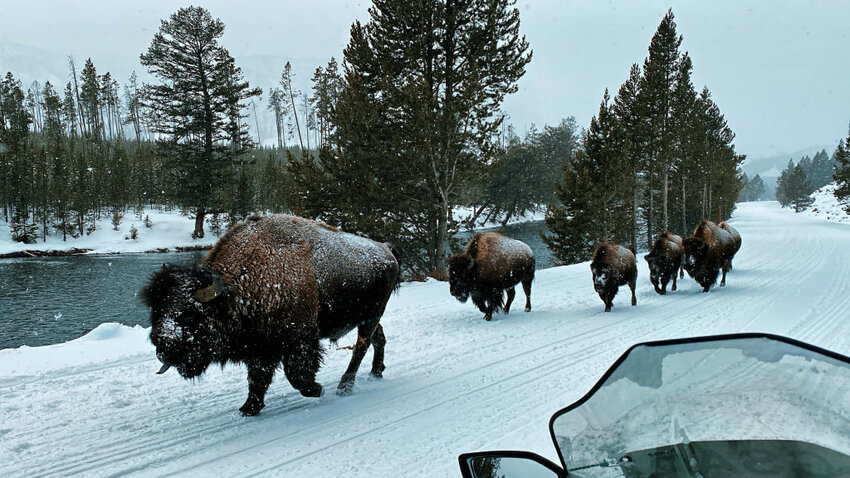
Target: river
(47, 300)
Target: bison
(708, 251)
(613, 265)
(490, 264)
(665, 261)
(266, 293)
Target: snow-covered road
(454, 383)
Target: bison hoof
(251, 408)
(312, 390)
(346, 385)
(488, 317)
(528, 308)
(378, 372)
(344, 389)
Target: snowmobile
(741, 405)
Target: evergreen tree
(595, 192)
(660, 72)
(193, 105)
(841, 175)
(419, 111)
(753, 189)
(630, 113)
(793, 188)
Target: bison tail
(397, 257)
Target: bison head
(602, 274)
(183, 301)
(696, 255)
(463, 272)
(660, 266)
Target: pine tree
(660, 72)
(793, 188)
(630, 114)
(753, 188)
(841, 174)
(595, 192)
(196, 105)
(418, 113)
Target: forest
(386, 144)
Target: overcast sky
(779, 70)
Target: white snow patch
(168, 230)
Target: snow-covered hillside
(454, 383)
(827, 206)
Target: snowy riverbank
(169, 230)
(454, 383)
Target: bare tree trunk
(634, 220)
(684, 214)
(665, 182)
(295, 114)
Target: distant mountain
(772, 166)
(769, 168)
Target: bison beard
(265, 295)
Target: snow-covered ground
(454, 383)
(827, 206)
(168, 230)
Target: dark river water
(47, 300)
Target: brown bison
(266, 293)
(613, 265)
(735, 236)
(490, 264)
(708, 251)
(665, 261)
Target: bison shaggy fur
(613, 266)
(491, 264)
(735, 236)
(266, 293)
(707, 252)
(665, 261)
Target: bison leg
(260, 375)
(674, 281)
(511, 295)
(379, 340)
(300, 364)
(632, 287)
(364, 340)
(526, 287)
(681, 272)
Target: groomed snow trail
(453, 383)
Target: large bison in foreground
(707, 252)
(665, 261)
(266, 293)
(490, 264)
(613, 265)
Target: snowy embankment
(168, 230)
(827, 206)
(454, 383)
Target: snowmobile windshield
(732, 406)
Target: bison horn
(164, 369)
(210, 292)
